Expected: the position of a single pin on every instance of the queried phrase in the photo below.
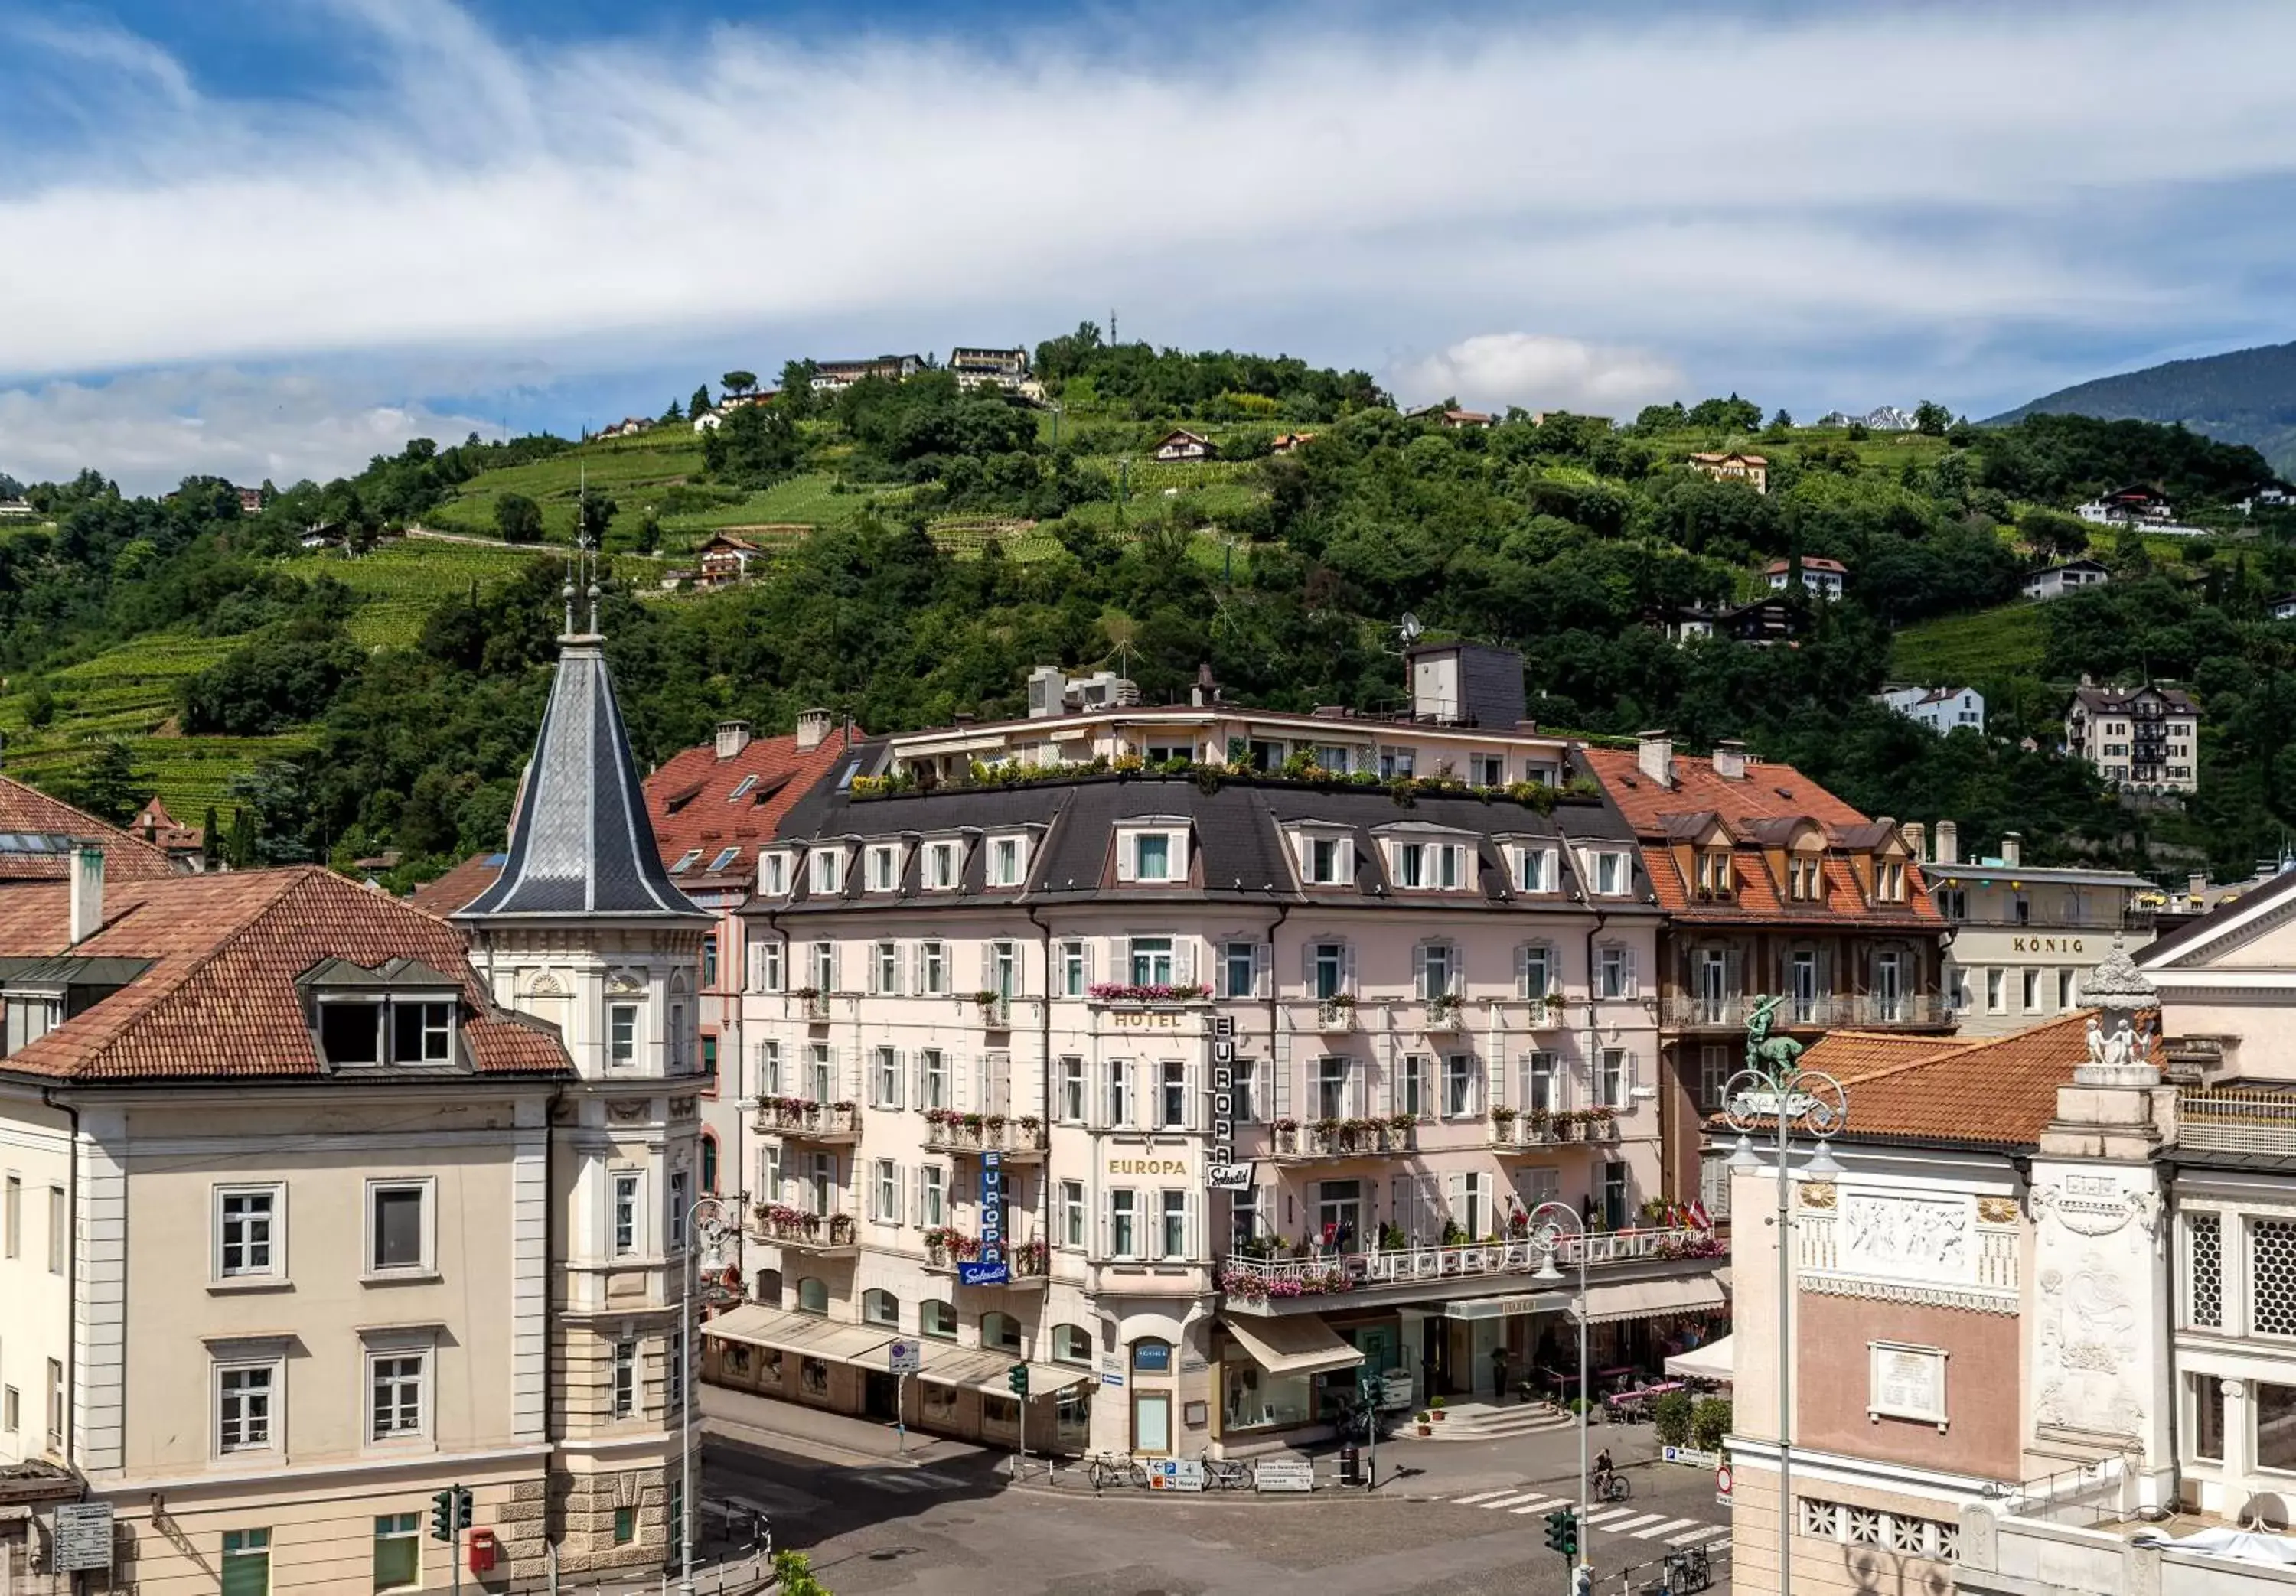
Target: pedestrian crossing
(905, 1482)
(1628, 1521)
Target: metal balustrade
(2237, 1119)
(1329, 1272)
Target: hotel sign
(1146, 1019)
(2048, 945)
(990, 1268)
(1224, 1173)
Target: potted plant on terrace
(1435, 1406)
(1426, 1425)
(1400, 1127)
(1286, 1132)
(1503, 1120)
(1326, 1131)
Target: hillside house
(1939, 709)
(834, 376)
(2137, 503)
(180, 842)
(16, 510)
(724, 560)
(1005, 368)
(2284, 608)
(1180, 444)
(2055, 581)
(1289, 443)
(1752, 470)
(250, 500)
(1822, 577)
(629, 426)
(2142, 737)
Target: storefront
(1495, 1347)
(1283, 1373)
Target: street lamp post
(1558, 1220)
(1774, 1095)
(706, 1220)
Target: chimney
(812, 728)
(2088, 680)
(2012, 849)
(733, 737)
(2196, 888)
(1655, 756)
(1948, 843)
(1206, 692)
(1917, 838)
(87, 892)
(1730, 759)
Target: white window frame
(1008, 861)
(1160, 843)
(427, 1185)
(1120, 1246)
(1459, 1086)
(617, 1056)
(932, 1195)
(395, 1350)
(1613, 866)
(885, 968)
(1535, 868)
(932, 968)
(824, 871)
(1172, 1205)
(274, 1270)
(1075, 967)
(618, 1181)
(884, 867)
(1537, 971)
(1074, 1234)
(944, 870)
(624, 1380)
(1075, 1089)
(273, 1369)
(1172, 1075)
(774, 872)
(766, 965)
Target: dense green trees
(518, 517)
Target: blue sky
(273, 239)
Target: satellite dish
(1410, 627)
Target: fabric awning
(982, 1369)
(1306, 1346)
(1710, 1362)
(1647, 1299)
(807, 1333)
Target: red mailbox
(484, 1550)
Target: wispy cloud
(1542, 371)
(1938, 175)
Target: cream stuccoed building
(1200, 1063)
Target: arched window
(1072, 1344)
(768, 1285)
(937, 1319)
(1151, 1357)
(1000, 1332)
(812, 1296)
(708, 1162)
(880, 1307)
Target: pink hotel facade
(1271, 1066)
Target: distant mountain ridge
(2245, 395)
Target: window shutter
(1091, 962)
(1190, 1234)
(902, 1186)
(850, 1075)
(1733, 970)
(1127, 856)
(1280, 1074)
(917, 1077)
(1633, 980)
(1348, 966)
(1390, 1099)
(1358, 1088)
(1307, 967)
(1106, 1207)
(988, 966)
(1263, 956)
(1196, 1093)
(1454, 1198)
(1343, 855)
(1183, 960)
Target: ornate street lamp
(1774, 1095)
(1550, 1223)
(706, 1222)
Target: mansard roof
(580, 841)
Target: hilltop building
(1821, 577)
(1752, 470)
(1180, 444)
(1003, 368)
(834, 376)
(1939, 709)
(1197, 1097)
(2055, 581)
(723, 560)
(2145, 738)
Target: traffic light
(462, 1507)
(1019, 1379)
(1562, 1531)
(442, 1515)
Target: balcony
(994, 1008)
(805, 1120)
(1336, 1016)
(1258, 1283)
(1535, 1130)
(1445, 1012)
(950, 1132)
(1913, 1010)
(808, 1002)
(1693, 1011)
(1027, 1263)
(1154, 994)
(2239, 1119)
(823, 1235)
(1323, 1139)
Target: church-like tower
(584, 930)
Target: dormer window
(1806, 879)
(1613, 873)
(1535, 869)
(685, 861)
(422, 1033)
(884, 867)
(1430, 866)
(1154, 856)
(1713, 871)
(942, 866)
(1890, 880)
(398, 1012)
(1008, 861)
(1327, 860)
(828, 868)
(772, 874)
(1151, 855)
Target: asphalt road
(961, 1529)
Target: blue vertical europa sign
(988, 1269)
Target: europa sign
(990, 1268)
(1224, 1173)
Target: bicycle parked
(1106, 1469)
(1228, 1474)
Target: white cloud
(1774, 188)
(151, 430)
(1495, 370)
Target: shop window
(1072, 1344)
(812, 1296)
(937, 1319)
(880, 1307)
(1000, 1332)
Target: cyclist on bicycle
(1604, 1470)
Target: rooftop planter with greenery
(1210, 776)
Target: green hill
(2244, 396)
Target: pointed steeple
(580, 840)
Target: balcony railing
(809, 1117)
(994, 1009)
(1445, 1012)
(1259, 1280)
(1869, 1011)
(2257, 1119)
(946, 1246)
(948, 1131)
(1691, 1012)
(1528, 1128)
(810, 1005)
(1335, 1014)
(830, 1232)
(1354, 1138)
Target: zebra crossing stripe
(1509, 1501)
(1610, 1516)
(1631, 1524)
(1670, 1527)
(1481, 1496)
(1547, 1504)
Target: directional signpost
(83, 1536)
(904, 1358)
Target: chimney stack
(1655, 756)
(87, 892)
(1948, 843)
(812, 729)
(1917, 838)
(2196, 888)
(2012, 849)
(733, 737)
(1730, 759)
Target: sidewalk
(828, 1437)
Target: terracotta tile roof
(1853, 1055)
(447, 892)
(1759, 808)
(693, 800)
(219, 998)
(28, 810)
